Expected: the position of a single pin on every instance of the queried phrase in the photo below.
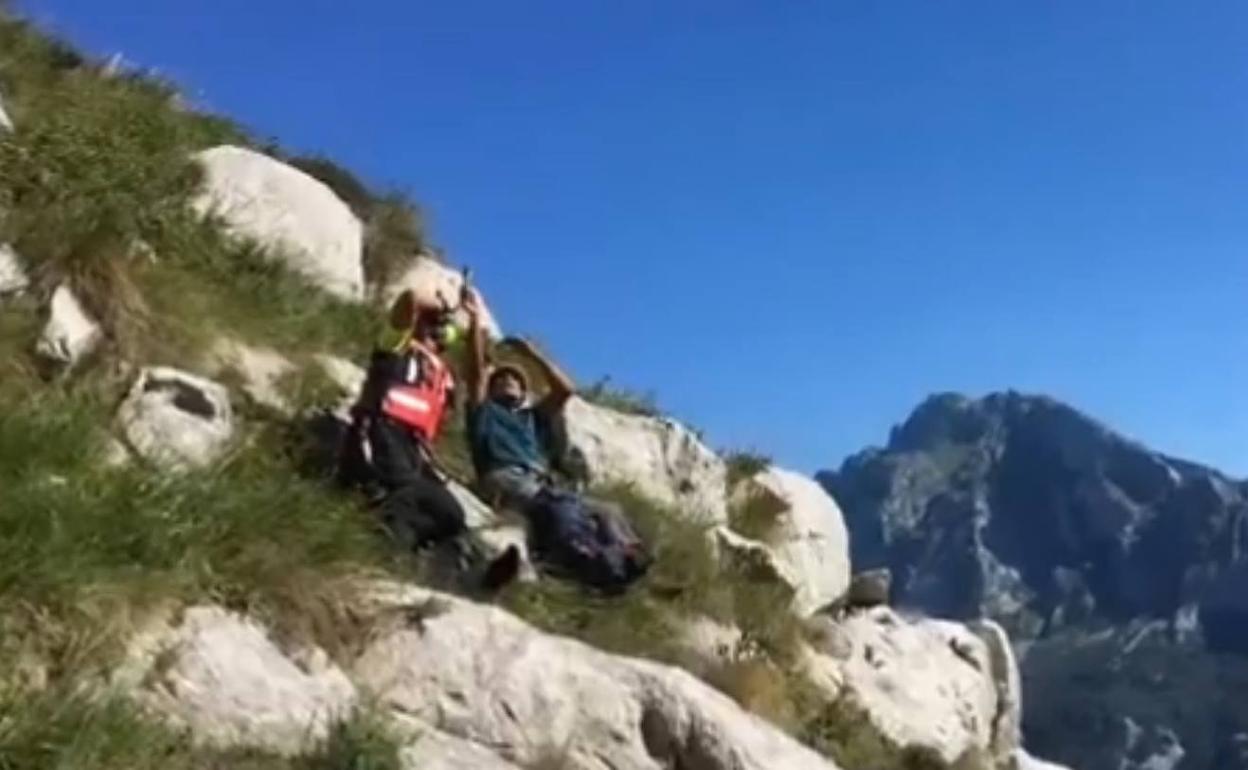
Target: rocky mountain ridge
(1096, 552)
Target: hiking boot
(502, 570)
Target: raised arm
(560, 386)
(476, 374)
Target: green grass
(100, 171)
(743, 464)
(85, 552)
(68, 730)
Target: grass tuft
(744, 464)
(604, 393)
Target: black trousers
(416, 505)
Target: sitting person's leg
(513, 488)
(418, 508)
(423, 512)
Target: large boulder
(480, 674)
(13, 278)
(807, 536)
(916, 686)
(69, 334)
(221, 677)
(296, 217)
(177, 420)
(660, 457)
(434, 282)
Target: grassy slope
(99, 166)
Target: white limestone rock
(1008, 722)
(663, 459)
(922, 684)
(435, 750)
(13, 278)
(808, 541)
(482, 675)
(177, 420)
(287, 211)
(69, 334)
(219, 675)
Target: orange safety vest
(420, 399)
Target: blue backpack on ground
(570, 540)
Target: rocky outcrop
(177, 420)
(807, 536)
(434, 282)
(663, 459)
(69, 334)
(482, 675)
(923, 686)
(470, 684)
(297, 218)
(1089, 547)
(1007, 735)
(220, 676)
(13, 278)
(435, 750)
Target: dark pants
(522, 490)
(415, 505)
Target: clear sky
(792, 220)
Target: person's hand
(472, 302)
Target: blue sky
(792, 220)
